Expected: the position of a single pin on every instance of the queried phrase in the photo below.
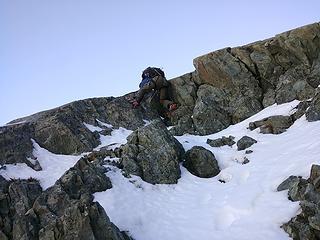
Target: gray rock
(234, 83)
(306, 224)
(257, 75)
(182, 120)
(67, 210)
(297, 190)
(313, 78)
(299, 229)
(246, 160)
(153, 154)
(308, 208)
(15, 144)
(315, 177)
(184, 90)
(209, 115)
(288, 183)
(62, 130)
(311, 195)
(248, 151)
(300, 110)
(245, 142)
(313, 112)
(293, 85)
(229, 141)
(83, 178)
(16, 198)
(64, 211)
(201, 162)
(314, 221)
(272, 125)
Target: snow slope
(247, 206)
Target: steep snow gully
(241, 202)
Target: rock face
(64, 211)
(62, 130)
(16, 198)
(232, 84)
(209, 113)
(306, 225)
(67, 210)
(153, 154)
(15, 144)
(201, 162)
(313, 113)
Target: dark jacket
(156, 83)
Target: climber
(153, 79)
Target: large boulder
(273, 124)
(245, 142)
(153, 154)
(201, 162)
(219, 142)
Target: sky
(55, 52)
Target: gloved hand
(135, 104)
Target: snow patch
(116, 139)
(53, 167)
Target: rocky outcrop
(232, 84)
(16, 145)
(306, 225)
(201, 162)
(153, 154)
(67, 210)
(64, 211)
(16, 198)
(62, 130)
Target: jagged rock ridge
(232, 84)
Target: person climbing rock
(153, 79)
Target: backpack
(151, 72)
(145, 81)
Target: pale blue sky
(54, 52)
